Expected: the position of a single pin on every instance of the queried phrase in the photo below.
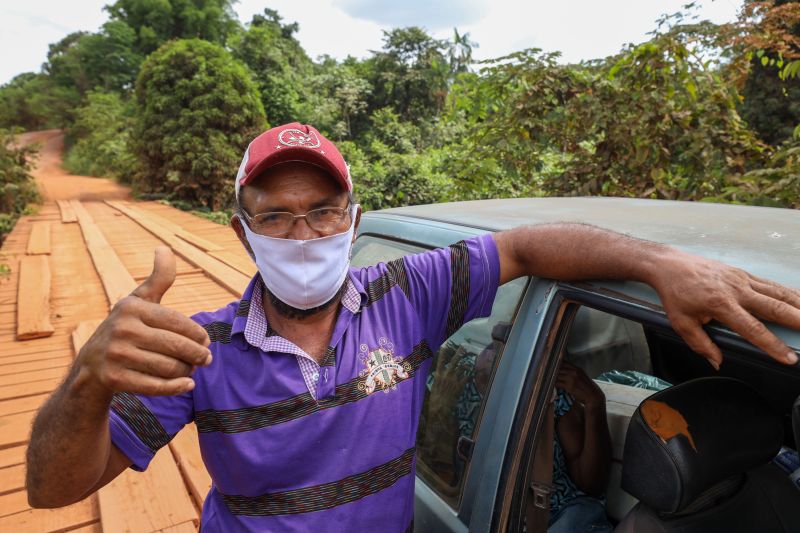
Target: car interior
(742, 414)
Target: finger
(775, 290)
(161, 279)
(768, 308)
(699, 341)
(160, 317)
(757, 333)
(171, 344)
(137, 382)
(158, 365)
(785, 295)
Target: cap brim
(295, 154)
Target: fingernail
(190, 385)
(209, 359)
(714, 364)
(791, 357)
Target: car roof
(762, 240)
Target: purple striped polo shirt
(281, 459)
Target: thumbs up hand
(143, 347)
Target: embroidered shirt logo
(383, 370)
(295, 137)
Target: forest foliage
(166, 95)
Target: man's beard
(287, 311)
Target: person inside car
(307, 391)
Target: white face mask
(303, 274)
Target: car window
(459, 379)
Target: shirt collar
(251, 321)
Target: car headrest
(687, 438)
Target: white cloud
(435, 15)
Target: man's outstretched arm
(693, 290)
(141, 347)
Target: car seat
(698, 457)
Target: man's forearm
(70, 443)
(571, 252)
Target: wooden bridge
(89, 245)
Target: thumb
(161, 279)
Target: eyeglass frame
(347, 211)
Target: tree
(410, 74)
(197, 108)
(280, 66)
(101, 134)
(768, 34)
(155, 22)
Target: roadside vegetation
(166, 95)
(17, 188)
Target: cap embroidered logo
(295, 137)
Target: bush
(101, 134)
(197, 108)
(17, 187)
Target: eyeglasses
(279, 223)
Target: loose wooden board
(116, 280)
(227, 276)
(245, 265)
(147, 501)
(82, 332)
(33, 298)
(67, 213)
(14, 429)
(186, 449)
(39, 239)
(176, 229)
(64, 519)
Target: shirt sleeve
(141, 425)
(450, 286)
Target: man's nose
(301, 231)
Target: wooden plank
(67, 213)
(176, 229)
(186, 527)
(63, 519)
(82, 332)
(147, 501)
(39, 239)
(30, 366)
(33, 298)
(93, 527)
(245, 265)
(12, 456)
(228, 277)
(14, 429)
(187, 454)
(14, 502)
(116, 280)
(22, 390)
(27, 377)
(12, 478)
(21, 405)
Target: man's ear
(236, 224)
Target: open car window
(460, 377)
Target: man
(307, 392)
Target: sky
(580, 29)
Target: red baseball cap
(292, 142)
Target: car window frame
(422, 247)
